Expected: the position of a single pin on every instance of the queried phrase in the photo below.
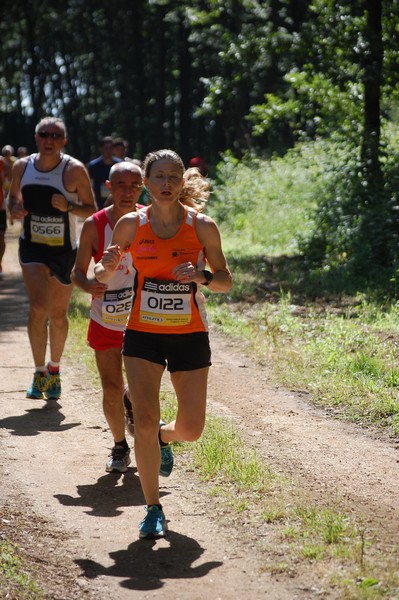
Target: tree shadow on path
(146, 566)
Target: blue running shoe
(166, 457)
(38, 386)
(153, 525)
(53, 390)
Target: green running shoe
(38, 386)
(53, 391)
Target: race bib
(116, 306)
(47, 230)
(165, 303)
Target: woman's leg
(144, 380)
(191, 390)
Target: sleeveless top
(50, 228)
(112, 310)
(160, 303)
(2, 172)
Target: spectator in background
(3, 215)
(121, 148)
(201, 165)
(9, 160)
(99, 169)
(22, 151)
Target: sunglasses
(53, 136)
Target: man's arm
(77, 179)
(14, 199)
(87, 246)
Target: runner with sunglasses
(49, 190)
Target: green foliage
(314, 106)
(356, 221)
(268, 202)
(317, 201)
(13, 574)
(327, 71)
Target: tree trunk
(370, 149)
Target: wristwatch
(71, 206)
(208, 276)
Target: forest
(218, 77)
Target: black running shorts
(3, 220)
(176, 351)
(60, 265)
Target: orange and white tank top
(160, 303)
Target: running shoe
(53, 390)
(38, 386)
(154, 524)
(129, 421)
(118, 461)
(166, 457)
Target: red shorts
(101, 338)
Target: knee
(146, 427)
(112, 393)
(190, 432)
(37, 311)
(58, 318)
(193, 435)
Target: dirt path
(80, 524)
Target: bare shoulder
(76, 177)
(205, 225)
(128, 221)
(20, 165)
(125, 230)
(89, 224)
(205, 220)
(75, 166)
(89, 232)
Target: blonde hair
(196, 188)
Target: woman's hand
(111, 258)
(187, 273)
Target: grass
(15, 581)
(346, 358)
